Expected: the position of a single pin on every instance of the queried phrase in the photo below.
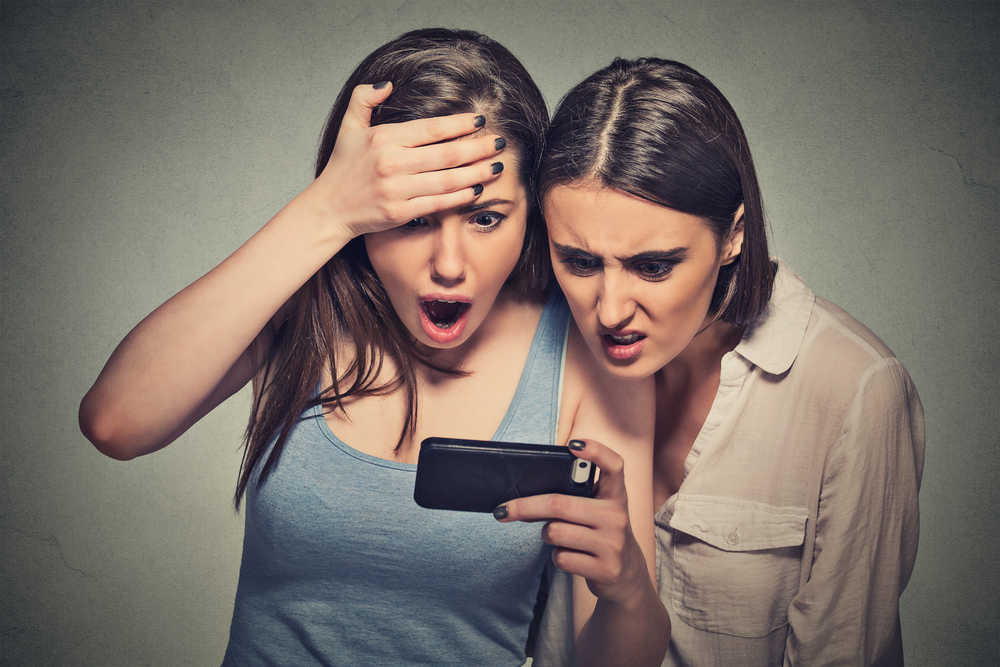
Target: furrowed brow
(674, 254)
(569, 250)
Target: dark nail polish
(499, 143)
(577, 444)
(497, 167)
(380, 84)
(479, 120)
(477, 189)
(500, 513)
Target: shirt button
(733, 538)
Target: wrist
(635, 598)
(324, 222)
(635, 591)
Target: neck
(458, 357)
(702, 356)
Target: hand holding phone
(479, 475)
(591, 537)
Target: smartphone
(478, 475)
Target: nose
(615, 304)
(448, 258)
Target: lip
(449, 335)
(437, 296)
(622, 353)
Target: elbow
(99, 426)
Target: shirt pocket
(735, 563)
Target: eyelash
(414, 224)
(654, 275)
(418, 223)
(486, 229)
(582, 266)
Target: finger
(364, 98)
(425, 131)
(450, 154)
(450, 180)
(573, 536)
(581, 563)
(421, 206)
(611, 484)
(549, 506)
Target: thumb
(364, 99)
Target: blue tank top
(342, 567)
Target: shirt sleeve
(847, 612)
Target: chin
(633, 371)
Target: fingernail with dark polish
(380, 84)
(500, 512)
(499, 143)
(479, 120)
(577, 444)
(497, 167)
(477, 189)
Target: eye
(416, 223)
(581, 266)
(487, 221)
(654, 270)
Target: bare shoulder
(513, 311)
(602, 404)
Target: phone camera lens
(582, 464)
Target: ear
(732, 245)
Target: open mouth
(443, 320)
(444, 314)
(623, 348)
(625, 340)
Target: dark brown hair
(661, 131)
(434, 72)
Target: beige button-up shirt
(795, 529)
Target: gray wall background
(141, 143)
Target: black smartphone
(478, 475)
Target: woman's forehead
(606, 219)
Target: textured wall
(141, 143)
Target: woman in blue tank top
(402, 294)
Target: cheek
(680, 307)
(395, 260)
(497, 257)
(690, 295)
(580, 295)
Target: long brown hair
(661, 131)
(434, 72)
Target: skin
(209, 340)
(205, 342)
(468, 251)
(628, 265)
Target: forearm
(632, 633)
(174, 360)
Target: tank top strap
(536, 400)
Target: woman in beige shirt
(789, 439)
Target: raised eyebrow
(480, 205)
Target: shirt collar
(773, 341)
